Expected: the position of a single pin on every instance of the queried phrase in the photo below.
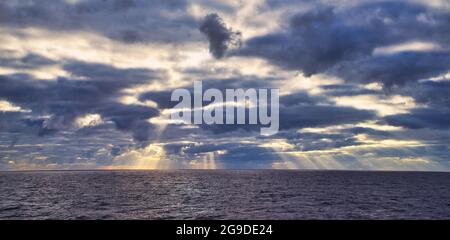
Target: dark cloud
(176, 148)
(234, 155)
(303, 99)
(29, 61)
(395, 69)
(338, 41)
(220, 37)
(342, 42)
(65, 150)
(130, 118)
(10, 121)
(434, 110)
(162, 98)
(319, 116)
(435, 94)
(100, 84)
(205, 148)
(368, 131)
(435, 136)
(97, 92)
(111, 75)
(297, 110)
(248, 156)
(344, 90)
(314, 42)
(421, 118)
(300, 110)
(124, 20)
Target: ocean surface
(224, 194)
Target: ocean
(224, 194)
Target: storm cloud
(342, 42)
(128, 21)
(97, 92)
(87, 84)
(422, 118)
(220, 37)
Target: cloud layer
(87, 84)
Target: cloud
(220, 37)
(302, 110)
(308, 107)
(302, 98)
(86, 149)
(319, 116)
(308, 141)
(369, 131)
(433, 111)
(128, 21)
(398, 44)
(28, 61)
(162, 98)
(130, 118)
(432, 93)
(421, 118)
(227, 155)
(297, 110)
(64, 99)
(314, 42)
(395, 69)
(341, 90)
(342, 41)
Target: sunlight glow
(150, 157)
(409, 46)
(88, 120)
(6, 106)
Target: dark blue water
(224, 194)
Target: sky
(86, 84)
